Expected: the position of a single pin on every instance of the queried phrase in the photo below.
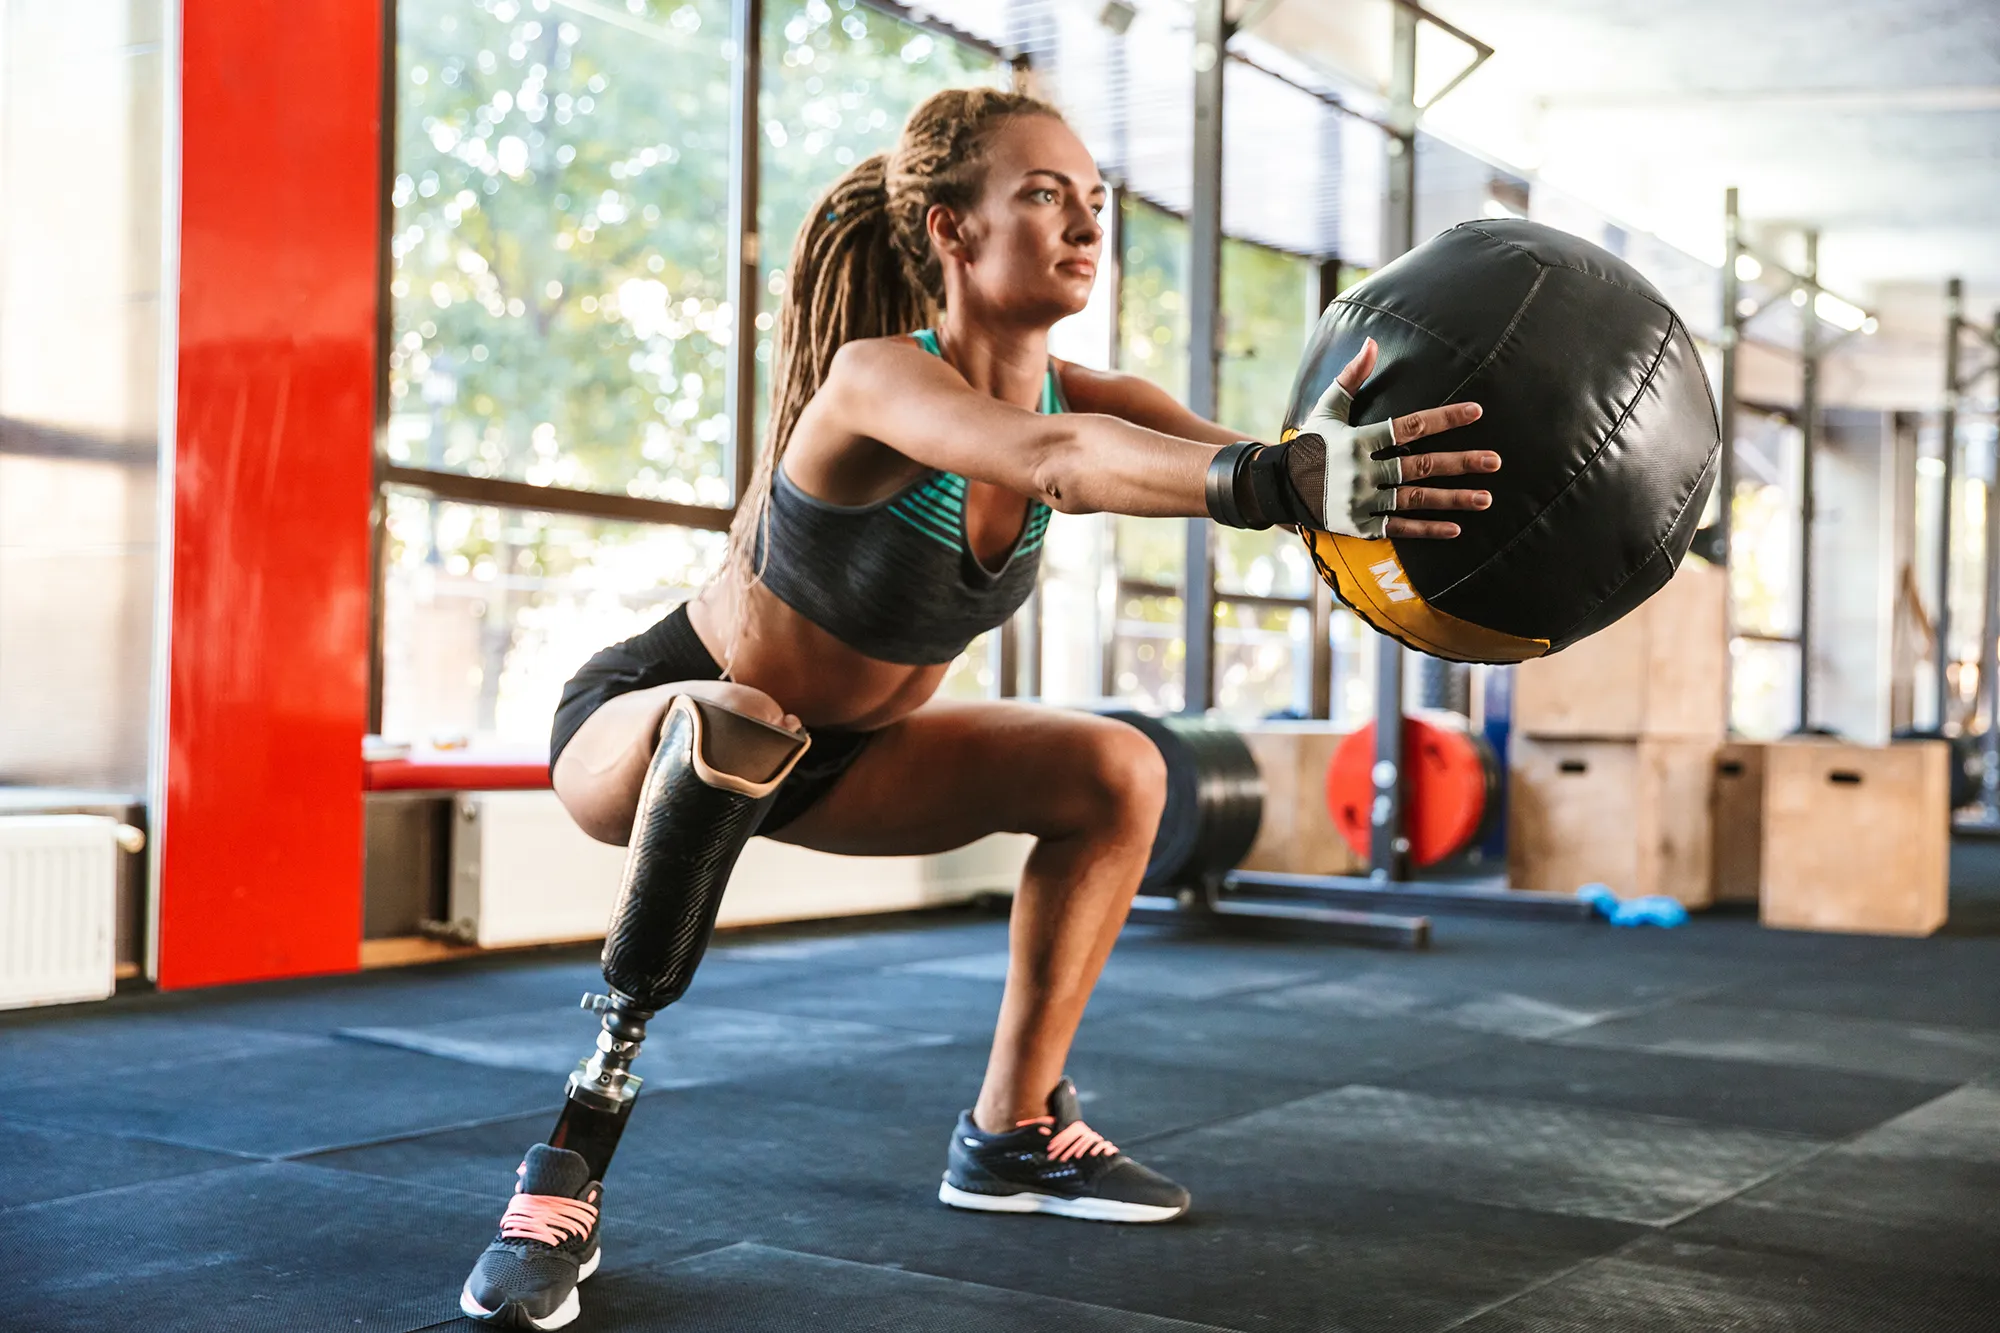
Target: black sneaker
(547, 1244)
(1054, 1164)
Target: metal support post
(1326, 286)
(1732, 336)
(1989, 637)
(746, 33)
(1954, 319)
(1388, 850)
(1211, 38)
(1808, 445)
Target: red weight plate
(1444, 789)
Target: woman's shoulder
(872, 364)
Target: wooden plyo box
(1633, 815)
(1297, 836)
(1739, 822)
(1661, 671)
(1856, 837)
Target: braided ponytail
(862, 267)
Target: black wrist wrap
(1225, 488)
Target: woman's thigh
(951, 773)
(598, 775)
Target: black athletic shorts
(672, 651)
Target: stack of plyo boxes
(1823, 834)
(1612, 763)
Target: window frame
(740, 264)
(1318, 603)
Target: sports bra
(897, 580)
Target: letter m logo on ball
(1389, 577)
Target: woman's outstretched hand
(1352, 480)
(1358, 477)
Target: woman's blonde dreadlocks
(862, 267)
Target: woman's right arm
(1079, 463)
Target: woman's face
(1031, 244)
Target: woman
(919, 436)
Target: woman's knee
(1124, 781)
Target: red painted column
(260, 822)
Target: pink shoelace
(548, 1218)
(1077, 1140)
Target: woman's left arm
(1141, 402)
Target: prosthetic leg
(711, 778)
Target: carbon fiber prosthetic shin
(711, 778)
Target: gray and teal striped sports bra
(897, 579)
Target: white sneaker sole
(1027, 1201)
(562, 1315)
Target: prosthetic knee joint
(712, 776)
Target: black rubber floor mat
(319, 1006)
(1181, 972)
(1795, 1099)
(1260, 1254)
(1125, 1097)
(1953, 996)
(710, 1159)
(1548, 1158)
(250, 1250)
(854, 944)
(1381, 995)
(1963, 1125)
(1937, 1214)
(687, 1046)
(1775, 1036)
(323, 1094)
(1272, 1251)
(744, 1287)
(1231, 1037)
(895, 999)
(1663, 1285)
(50, 1163)
(96, 1047)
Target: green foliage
(562, 197)
(1267, 316)
(839, 80)
(1266, 319)
(559, 248)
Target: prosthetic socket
(712, 776)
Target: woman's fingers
(1437, 497)
(1422, 467)
(1359, 369)
(1418, 527)
(1417, 425)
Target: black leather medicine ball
(1594, 397)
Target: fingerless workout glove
(1326, 477)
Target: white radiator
(523, 873)
(58, 908)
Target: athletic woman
(920, 435)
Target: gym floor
(1530, 1127)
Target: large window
(561, 332)
(839, 81)
(487, 611)
(559, 247)
(1763, 576)
(1265, 585)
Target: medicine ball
(1596, 401)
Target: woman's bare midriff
(811, 674)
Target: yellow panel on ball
(1369, 578)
